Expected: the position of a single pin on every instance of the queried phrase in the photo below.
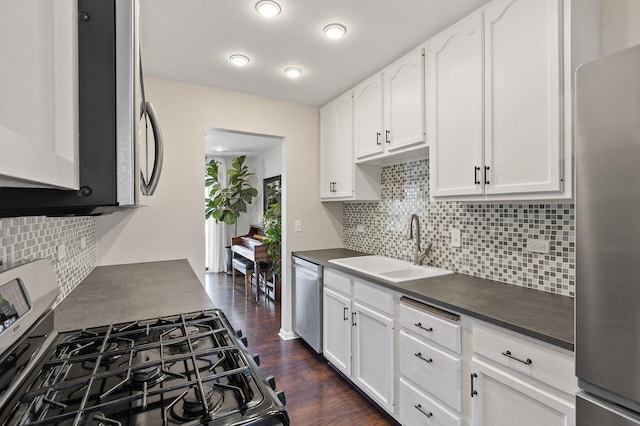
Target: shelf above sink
(389, 269)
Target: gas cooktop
(187, 369)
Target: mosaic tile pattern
(36, 237)
(493, 235)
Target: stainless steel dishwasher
(307, 302)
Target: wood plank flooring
(316, 394)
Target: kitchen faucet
(420, 255)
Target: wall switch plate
(83, 243)
(456, 238)
(62, 251)
(538, 246)
(298, 225)
(360, 228)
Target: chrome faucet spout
(419, 254)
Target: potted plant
(227, 203)
(273, 231)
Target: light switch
(456, 238)
(298, 225)
(62, 251)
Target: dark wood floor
(316, 394)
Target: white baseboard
(288, 335)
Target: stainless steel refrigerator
(608, 240)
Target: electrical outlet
(456, 238)
(360, 228)
(538, 246)
(62, 251)
(298, 225)
(83, 243)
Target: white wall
(172, 226)
(619, 25)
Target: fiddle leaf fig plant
(227, 203)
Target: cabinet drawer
(416, 408)
(439, 330)
(434, 370)
(533, 359)
(373, 296)
(337, 281)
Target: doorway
(264, 160)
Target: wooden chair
(245, 267)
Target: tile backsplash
(494, 235)
(38, 237)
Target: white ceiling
(229, 143)
(191, 40)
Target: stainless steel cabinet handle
(419, 355)
(378, 134)
(525, 362)
(419, 325)
(419, 408)
(345, 317)
(149, 188)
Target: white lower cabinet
(358, 334)
(416, 408)
(504, 399)
(518, 381)
(373, 354)
(438, 368)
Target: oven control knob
(272, 382)
(239, 333)
(256, 359)
(281, 397)
(244, 341)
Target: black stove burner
(109, 357)
(191, 405)
(99, 419)
(184, 345)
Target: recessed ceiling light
(335, 30)
(239, 60)
(293, 72)
(268, 8)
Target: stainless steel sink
(389, 269)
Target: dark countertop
(541, 315)
(121, 293)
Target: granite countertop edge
(544, 316)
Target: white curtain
(216, 233)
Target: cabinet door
(336, 148)
(343, 150)
(505, 400)
(404, 101)
(368, 138)
(454, 108)
(523, 96)
(38, 83)
(336, 335)
(373, 354)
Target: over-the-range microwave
(120, 142)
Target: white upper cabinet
(523, 91)
(404, 101)
(336, 148)
(39, 95)
(454, 83)
(389, 111)
(500, 100)
(368, 117)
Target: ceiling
(229, 143)
(191, 40)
